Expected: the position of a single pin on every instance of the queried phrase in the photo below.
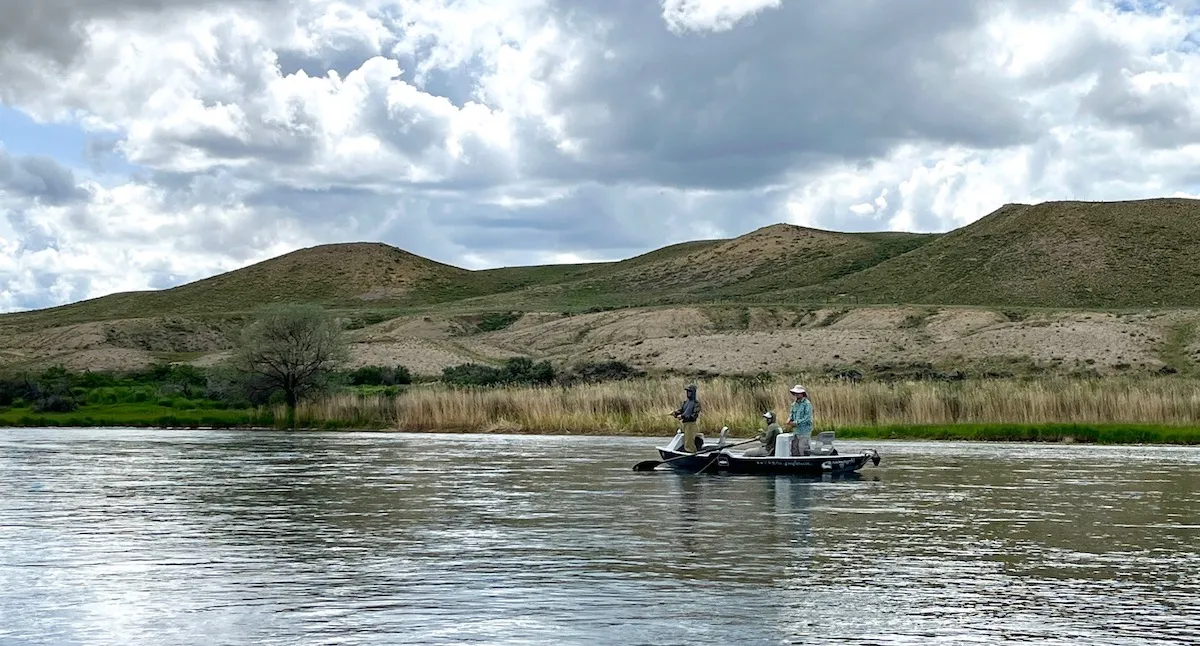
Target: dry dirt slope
(683, 339)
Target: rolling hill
(1056, 254)
(777, 297)
(772, 258)
(349, 274)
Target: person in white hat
(766, 438)
(800, 421)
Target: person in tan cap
(800, 421)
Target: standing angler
(687, 414)
(800, 421)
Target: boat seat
(676, 443)
(823, 443)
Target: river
(119, 536)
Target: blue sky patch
(69, 144)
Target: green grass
(1082, 433)
(141, 415)
(1173, 351)
(496, 321)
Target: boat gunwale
(663, 450)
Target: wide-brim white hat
(798, 390)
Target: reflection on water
(194, 537)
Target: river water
(148, 537)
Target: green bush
(181, 403)
(600, 371)
(515, 371)
(379, 376)
(92, 380)
(471, 374)
(55, 404)
(496, 321)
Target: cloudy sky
(148, 143)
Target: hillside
(776, 257)
(1056, 254)
(375, 276)
(776, 298)
(345, 275)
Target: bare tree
(291, 348)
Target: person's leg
(756, 453)
(801, 443)
(689, 437)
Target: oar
(649, 465)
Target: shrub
(516, 371)
(600, 371)
(522, 370)
(471, 374)
(379, 376)
(495, 321)
(55, 404)
(184, 404)
(90, 380)
(367, 376)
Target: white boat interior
(821, 444)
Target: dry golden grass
(643, 407)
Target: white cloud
(711, 15)
(483, 133)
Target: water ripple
(178, 537)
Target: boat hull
(732, 463)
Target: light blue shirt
(802, 416)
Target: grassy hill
(1055, 254)
(780, 256)
(354, 274)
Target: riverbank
(139, 415)
(1115, 410)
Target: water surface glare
(117, 536)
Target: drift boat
(822, 458)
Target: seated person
(767, 438)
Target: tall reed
(643, 407)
